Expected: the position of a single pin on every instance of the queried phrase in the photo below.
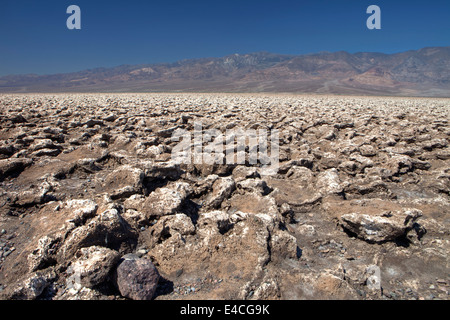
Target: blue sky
(34, 37)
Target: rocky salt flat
(93, 207)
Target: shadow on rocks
(165, 287)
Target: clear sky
(34, 37)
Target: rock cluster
(92, 206)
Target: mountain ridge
(422, 72)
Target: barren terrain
(91, 201)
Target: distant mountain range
(424, 72)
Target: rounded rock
(137, 278)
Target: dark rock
(6, 150)
(18, 118)
(137, 278)
(93, 122)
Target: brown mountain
(424, 72)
